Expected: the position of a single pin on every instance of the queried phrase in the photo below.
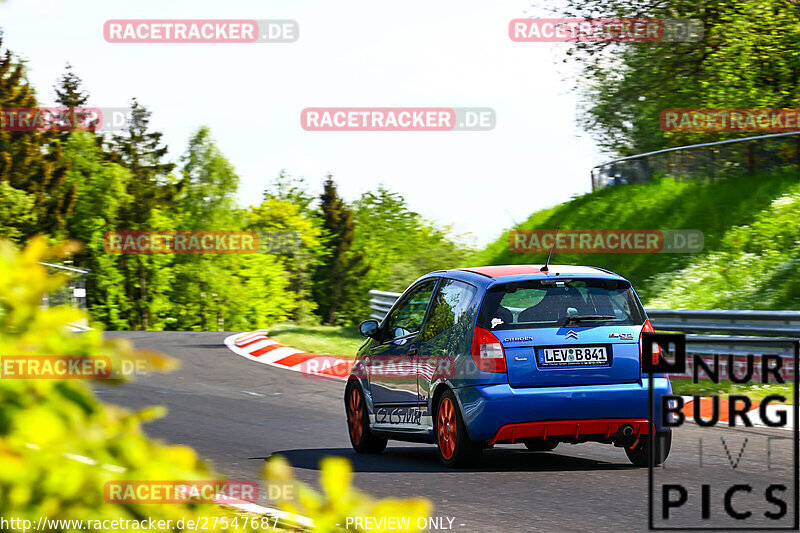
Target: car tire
(639, 452)
(538, 445)
(361, 437)
(453, 442)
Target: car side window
(407, 317)
(449, 306)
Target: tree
(291, 189)
(207, 199)
(747, 58)
(152, 189)
(16, 211)
(71, 94)
(101, 187)
(298, 237)
(69, 89)
(333, 280)
(205, 284)
(399, 246)
(31, 161)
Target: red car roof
(503, 270)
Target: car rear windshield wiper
(588, 318)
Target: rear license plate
(575, 356)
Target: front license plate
(575, 356)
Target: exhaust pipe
(626, 430)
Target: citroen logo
(572, 335)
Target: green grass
(327, 340)
(751, 231)
(754, 391)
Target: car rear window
(557, 303)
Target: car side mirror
(369, 328)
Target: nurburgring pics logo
(619, 241)
(749, 484)
(584, 30)
(200, 31)
(397, 119)
(730, 120)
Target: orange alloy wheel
(354, 416)
(446, 428)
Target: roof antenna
(545, 268)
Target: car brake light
(654, 357)
(487, 352)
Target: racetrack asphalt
(236, 412)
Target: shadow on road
(426, 459)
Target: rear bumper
(569, 429)
(487, 409)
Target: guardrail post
(751, 158)
(797, 151)
(711, 165)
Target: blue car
(474, 357)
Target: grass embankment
(754, 391)
(750, 226)
(323, 340)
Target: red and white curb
(754, 414)
(256, 346)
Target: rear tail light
(654, 357)
(487, 352)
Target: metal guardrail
(73, 293)
(773, 323)
(381, 302)
(703, 161)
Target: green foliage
(334, 285)
(339, 500)
(290, 189)
(69, 89)
(755, 265)
(713, 208)
(30, 161)
(101, 193)
(706, 387)
(79, 185)
(399, 246)
(16, 211)
(287, 217)
(59, 445)
(747, 58)
(207, 199)
(41, 420)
